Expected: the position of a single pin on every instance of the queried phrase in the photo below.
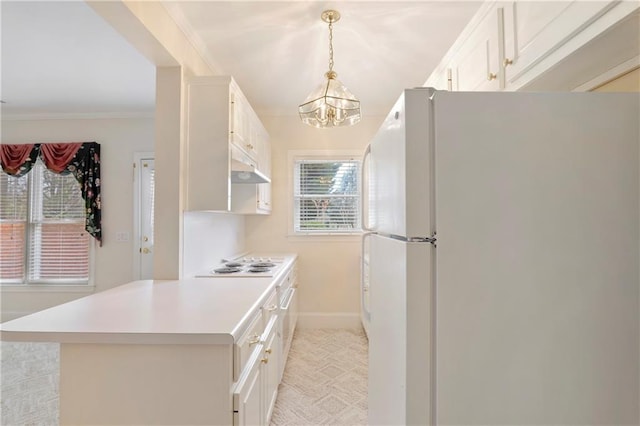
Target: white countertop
(187, 311)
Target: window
(326, 195)
(42, 229)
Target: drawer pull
(272, 308)
(268, 351)
(254, 339)
(264, 360)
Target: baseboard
(11, 315)
(328, 320)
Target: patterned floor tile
(338, 380)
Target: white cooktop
(244, 266)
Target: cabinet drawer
(245, 346)
(270, 308)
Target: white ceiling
(62, 58)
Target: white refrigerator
(504, 259)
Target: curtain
(17, 160)
(56, 156)
(80, 159)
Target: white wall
(169, 181)
(209, 237)
(119, 140)
(328, 267)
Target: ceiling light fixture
(330, 104)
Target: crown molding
(77, 116)
(174, 11)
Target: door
(400, 332)
(144, 185)
(537, 274)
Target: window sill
(330, 238)
(47, 288)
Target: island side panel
(146, 384)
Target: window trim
(329, 155)
(55, 285)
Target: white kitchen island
(191, 351)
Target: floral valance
(81, 159)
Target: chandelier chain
(330, 45)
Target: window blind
(43, 229)
(59, 246)
(13, 219)
(326, 196)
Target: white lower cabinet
(256, 390)
(227, 376)
(270, 374)
(247, 399)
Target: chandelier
(330, 104)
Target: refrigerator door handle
(364, 210)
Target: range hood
(246, 173)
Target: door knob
(146, 250)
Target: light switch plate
(122, 236)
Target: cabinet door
(478, 65)
(441, 79)
(536, 30)
(237, 120)
(242, 126)
(270, 361)
(252, 144)
(248, 397)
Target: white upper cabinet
(263, 202)
(223, 132)
(477, 67)
(255, 199)
(540, 34)
(245, 125)
(525, 40)
(538, 45)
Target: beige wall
(329, 272)
(119, 140)
(629, 82)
